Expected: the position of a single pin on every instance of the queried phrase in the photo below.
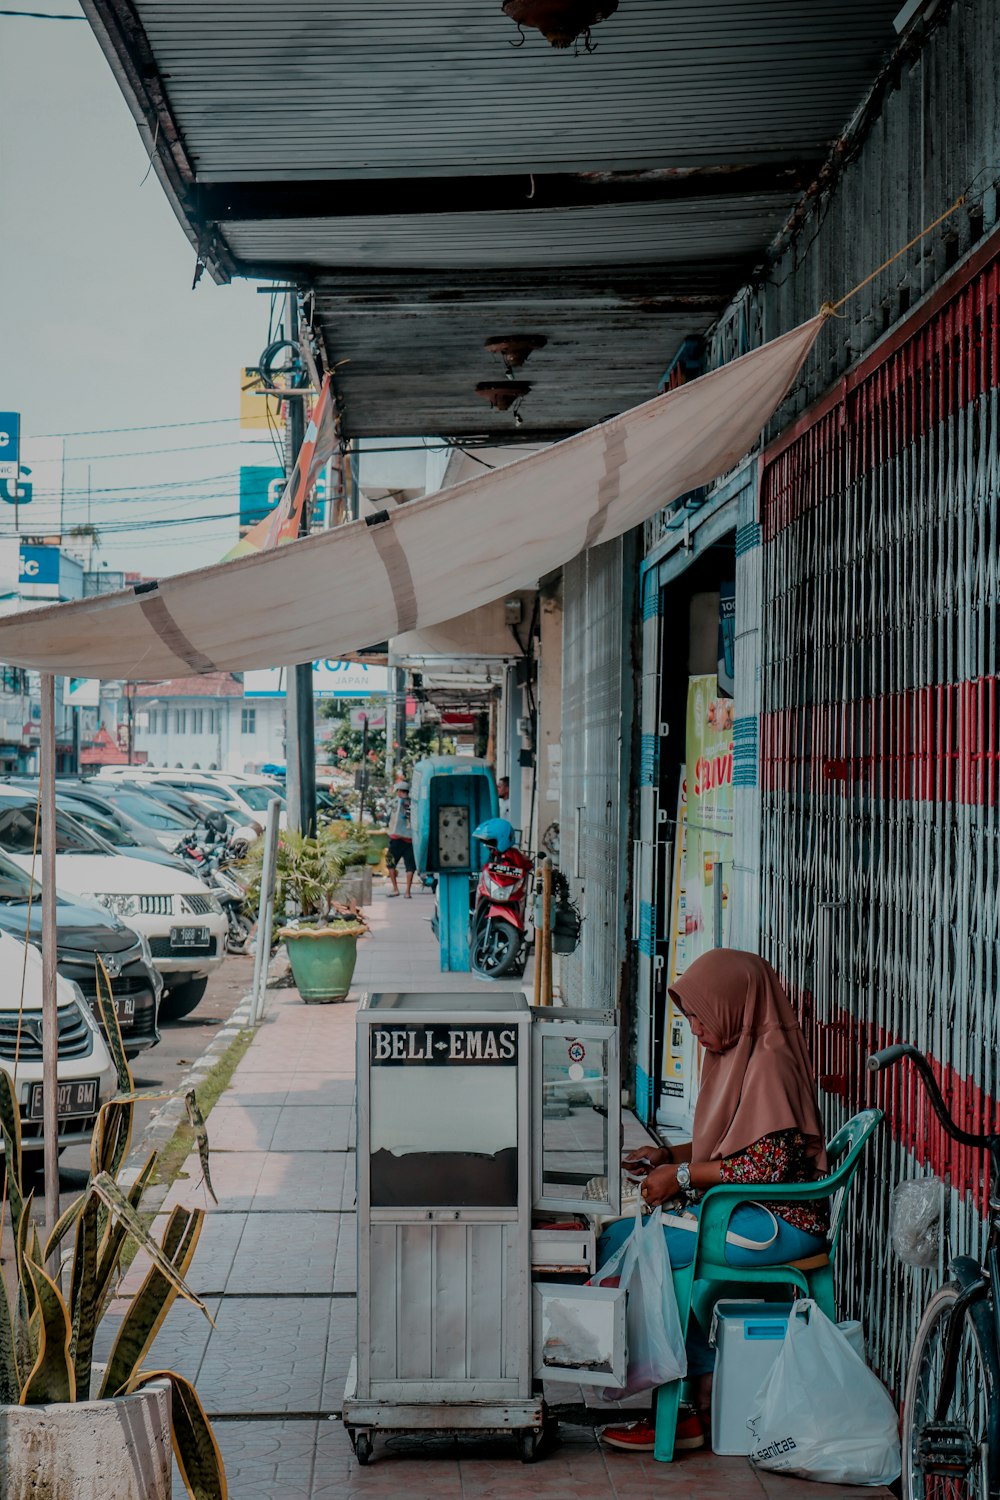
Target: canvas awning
(424, 562)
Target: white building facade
(206, 724)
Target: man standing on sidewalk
(401, 840)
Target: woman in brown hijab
(756, 1121)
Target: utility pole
(300, 728)
(398, 713)
(50, 1013)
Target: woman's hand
(660, 1185)
(638, 1163)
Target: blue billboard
(39, 565)
(260, 491)
(10, 444)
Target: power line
(142, 427)
(86, 458)
(141, 489)
(38, 15)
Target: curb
(164, 1122)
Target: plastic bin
(747, 1337)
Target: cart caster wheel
(527, 1446)
(363, 1449)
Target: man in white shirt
(400, 840)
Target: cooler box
(748, 1336)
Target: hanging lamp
(561, 22)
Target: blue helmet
(496, 833)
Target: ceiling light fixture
(504, 394)
(561, 22)
(514, 348)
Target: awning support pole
(265, 909)
(50, 1011)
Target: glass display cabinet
(476, 1117)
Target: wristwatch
(684, 1177)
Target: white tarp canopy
(424, 562)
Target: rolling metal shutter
(880, 757)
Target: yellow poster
(708, 865)
(701, 879)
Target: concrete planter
(88, 1450)
(378, 843)
(356, 885)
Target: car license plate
(124, 1010)
(190, 937)
(76, 1099)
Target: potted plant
(67, 1425)
(322, 930)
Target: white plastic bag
(656, 1353)
(820, 1412)
(915, 1221)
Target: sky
(99, 327)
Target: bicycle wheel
(946, 1458)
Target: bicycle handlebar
(889, 1056)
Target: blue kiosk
(450, 796)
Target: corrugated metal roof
(439, 185)
(637, 234)
(334, 88)
(410, 349)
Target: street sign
(10, 444)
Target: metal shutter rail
(592, 838)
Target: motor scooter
(497, 930)
(231, 896)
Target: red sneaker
(640, 1437)
(690, 1430)
(632, 1437)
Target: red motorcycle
(497, 928)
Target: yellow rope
(829, 309)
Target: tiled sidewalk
(276, 1266)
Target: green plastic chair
(697, 1285)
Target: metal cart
(476, 1113)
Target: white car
(86, 1072)
(244, 797)
(183, 922)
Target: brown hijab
(762, 1080)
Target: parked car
(146, 819)
(86, 1072)
(107, 829)
(182, 922)
(245, 797)
(192, 810)
(104, 820)
(83, 932)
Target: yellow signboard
(258, 414)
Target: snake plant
(46, 1337)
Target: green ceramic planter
(322, 961)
